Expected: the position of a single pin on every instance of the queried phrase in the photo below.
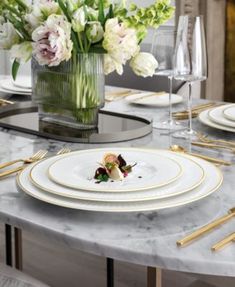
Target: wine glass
(190, 59)
(162, 48)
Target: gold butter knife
(221, 244)
(213, 146)
(206, 228)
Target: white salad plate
(229, 113)
(7, 87)
(217, 116)
(153, 99)
(193, 175)
(7, 84)
(213, 180)
(152, 170)
(24, 82)
(204, 118)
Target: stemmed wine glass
(190, 59)
(162, 48)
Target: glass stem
(170, 81)
(190, 130)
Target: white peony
(42, 9)
(52, 41)
(8, 35)
(144, 64)
(94, 31)
(109, 65)
(120, 42)
(79, 20)
(22, 52)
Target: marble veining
(147, 238)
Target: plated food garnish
(113, 167)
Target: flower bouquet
(73, 43)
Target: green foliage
(143, 18)
(14, 69)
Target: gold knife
(206, 228)
(219, 245)
(11, 171)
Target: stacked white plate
(21, 86)
(222, 117)
(153, 99)
(161, 179)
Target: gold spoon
(178, 148)
(206, 228)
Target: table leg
(18, 248)
(8, 244)
(154, 277)
(110, 272)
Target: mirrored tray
(113, 127)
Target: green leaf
(15, 68)
(64, 9)
(101, 16)
(110, 13)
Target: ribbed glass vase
(72, 93)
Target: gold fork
(38, 155)
(63, 151)
(221, 244)
(6, 102)
(17, 169)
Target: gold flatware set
(4, 102)
(183, 115)
(180, 149)
(41, 154)
(205, 229)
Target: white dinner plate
(153, 99)
(24, 82)
(151, 170)
(193, 175)
(204, 118)
(217, 116)
(229, 112)
(7, 84)
(212, 182)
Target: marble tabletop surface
(146, 238)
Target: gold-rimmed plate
(152, 170)
(193, 175)
(212, 182)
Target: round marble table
(143, 238)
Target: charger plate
(152, 170)
(217, 116)
(212, 182)
(204, 118)
(193, 175)
(229, 113)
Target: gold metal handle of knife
(213, 146)
(204, 229)
(11, 171)
(211, 159)
(221, 244)
(6, 164)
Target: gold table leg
(154, 277)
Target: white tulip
(79, 20)
(144, 64)
(94, 31)
(8, 36)
(22, 52)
